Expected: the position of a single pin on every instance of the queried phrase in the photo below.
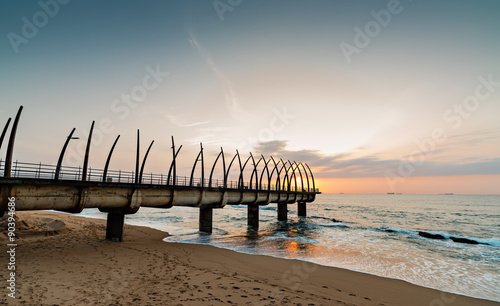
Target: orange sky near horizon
(462, 184)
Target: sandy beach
(63, 259)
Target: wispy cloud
(236, 110)
(208, 139)
(215, 129)
(205, 138)
(180, 122)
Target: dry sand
(62, 259)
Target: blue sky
(264, 76)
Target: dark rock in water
(455, 239)
(464, 240)
(431, 236)
(389, 231)
(335, 220)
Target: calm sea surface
(376, 234)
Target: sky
(375, 96)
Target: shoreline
(69, 262)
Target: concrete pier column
(253, 215)
(301, 209)
(206, 215)
(114, 227)
(282, 211)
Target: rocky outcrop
(431, 236)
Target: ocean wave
(325, 218)
(396, 230)
(445, 236)
(167, 219)
(334, 225)
(268, 208)
(495, 242)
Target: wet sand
(63, 259)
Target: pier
(118, 193)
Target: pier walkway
(72, 189)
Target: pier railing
(46, 171)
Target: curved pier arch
(105, 172)
(224, 169)
(173, 164)
(312, 177)
(144, 162)
(87, 152)
(255, 172)
(307, 177)
(202, 168)
(229, 168)
(266, 168)
(4, 131)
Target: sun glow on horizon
(459, 184)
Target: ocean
(376, 234)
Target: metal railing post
(16, 168)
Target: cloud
(236, 110)
(180, 122)
(270, 147)
(216, 129)
(347, 165)
(205, 138)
